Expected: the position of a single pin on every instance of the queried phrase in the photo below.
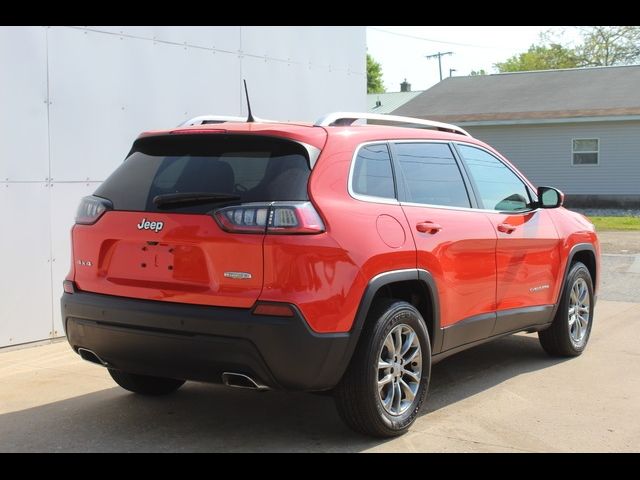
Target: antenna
(250, 118)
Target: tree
(598, 47)
(541, 57)
(475, 73)
(609, 45)
(374, 76)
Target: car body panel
(184, 262)
(461, 258)
(527, 259)
(574, 229)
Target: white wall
(73, 99)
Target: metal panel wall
(24, 152)
(74, 98)
(114, 87)
(543, 153)
(223, 38)
(25, 246)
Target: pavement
(620, 266)
(505, 396)
(620, 243)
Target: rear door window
(253, 168)
(431, 175)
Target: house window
(585, 151)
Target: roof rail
(347, 118)
(204, 119)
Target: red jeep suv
(339, 256)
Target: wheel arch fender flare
(578, 247)
(387, 278)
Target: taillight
(272, 218)
(91, 209)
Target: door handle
(506, 228)
(428, 227)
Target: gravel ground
(608, 212)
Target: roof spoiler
(206, 119)
(211, 119)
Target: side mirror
(549, 197)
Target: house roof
(548, 94)
(389, 101)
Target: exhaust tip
(240, 380)
(91, 356)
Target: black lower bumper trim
(194, 342)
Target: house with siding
(574, 129)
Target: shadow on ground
(202, 417)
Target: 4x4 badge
(147, 225)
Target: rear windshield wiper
(192, 198)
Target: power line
(415, 37)
(439, 56)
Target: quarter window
(372, 174)
(431, 174)
(585, 151)
(499, 188)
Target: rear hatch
(185, 217)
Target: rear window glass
(256, 169)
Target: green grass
(616, 223)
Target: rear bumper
(194, 342)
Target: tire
(568, 335)
(144, 384)
(357, 397)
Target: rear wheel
(569, 333)
(145, 384)
(387, 380)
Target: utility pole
(451, 70)
(439, 55)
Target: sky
(473, 47)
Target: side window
(431, 174)
(499, 188)
(372, 174)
